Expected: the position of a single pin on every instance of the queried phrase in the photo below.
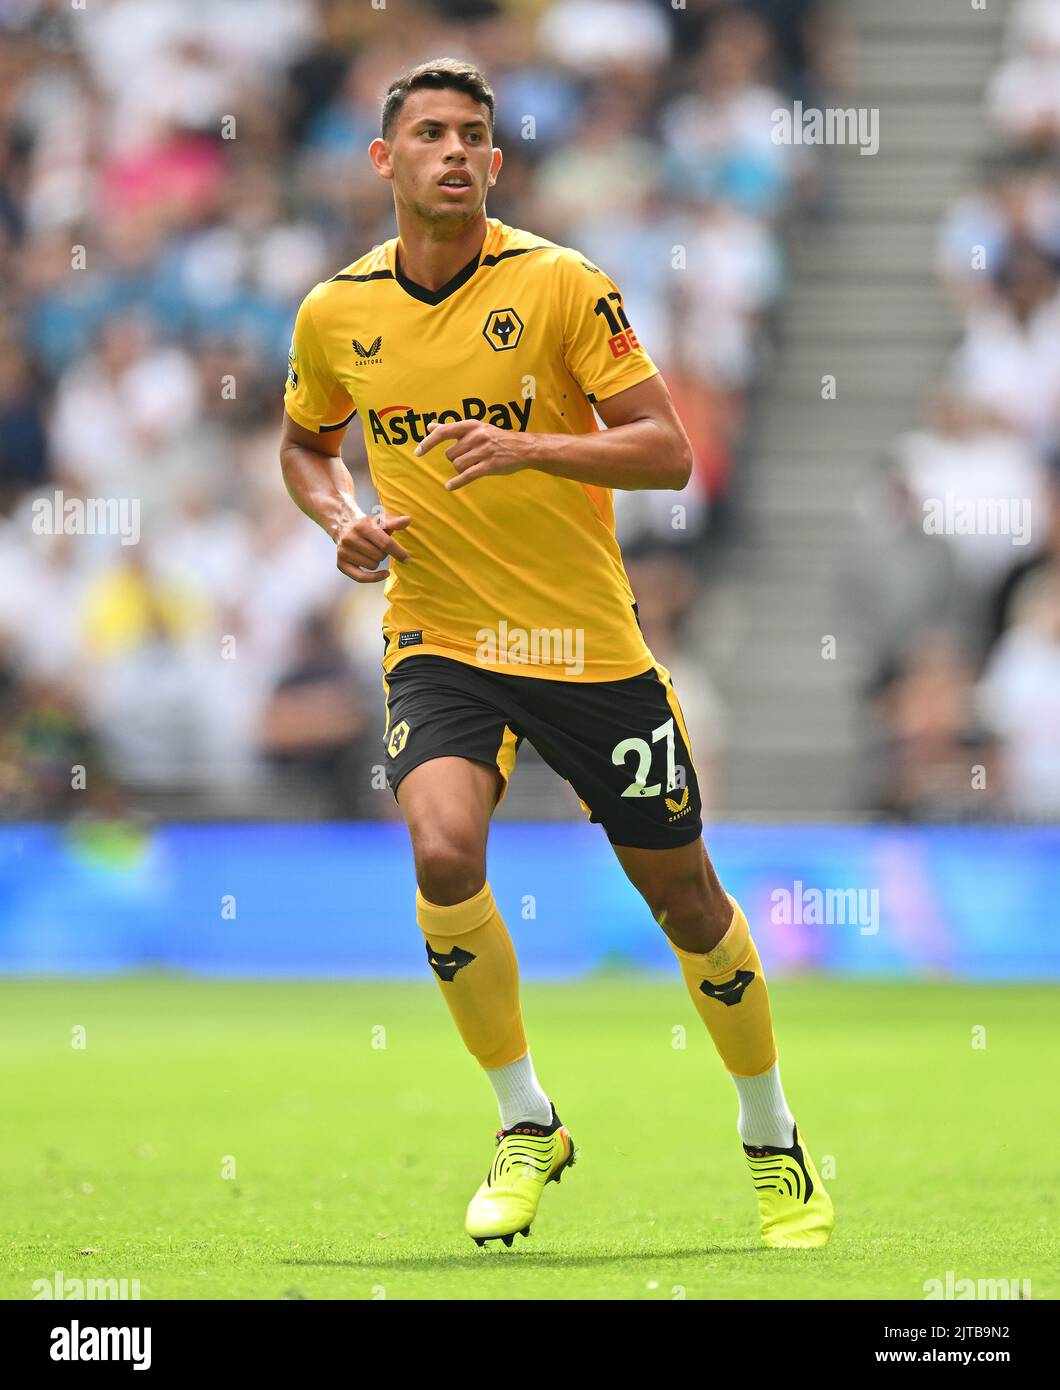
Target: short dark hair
(439, 73)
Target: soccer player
(473, 354)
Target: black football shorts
(622, 745)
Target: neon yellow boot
(795, 1210)
(528, 1158)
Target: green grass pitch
(354, 1160)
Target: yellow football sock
(472, 954)
(729, 991)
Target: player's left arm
(644, 445)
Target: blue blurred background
(338, 899)
(198, 716)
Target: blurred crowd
(965, 608)
(176, 174)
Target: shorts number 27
(639, 786)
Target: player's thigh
(624, 748)
(449, 751)
(447, 803)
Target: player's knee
(692, 914)
(447, 871)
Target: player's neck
(431, 262)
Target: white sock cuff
(519, 1093)
(764, 1115)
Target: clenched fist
(362, 541)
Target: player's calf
(683, 892)
(448, 872)
(727, 985)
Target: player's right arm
(317, 411)
(320, 484)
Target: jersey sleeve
(313, 397)
(600, 347)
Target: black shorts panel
(433, 713)
(620, 744)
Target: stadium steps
(864, 305)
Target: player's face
(441, 156)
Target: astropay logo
(403, 424)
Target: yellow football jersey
(521, 573)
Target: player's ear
(495, 166)
(379, 154)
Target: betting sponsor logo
(622, 340)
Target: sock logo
(729, 991)
(446, 964)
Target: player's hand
(362, 541)
(479, 450)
